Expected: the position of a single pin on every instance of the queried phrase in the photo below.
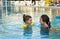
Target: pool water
(9, 29)
(18, 34)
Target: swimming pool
(9, 29)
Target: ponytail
(49, 24)
(24, 17)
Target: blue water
(11, 30)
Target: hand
(53, 30)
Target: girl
(27, 26)
(45, 25)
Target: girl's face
(41, 21)
(29, 21)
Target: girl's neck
(27, 24)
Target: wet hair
(26, 17)
(46, 19)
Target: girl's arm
(52, 29)
(22, 27)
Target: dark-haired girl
(27, 26)
(45, 25)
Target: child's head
(27, 19)
(45, 19)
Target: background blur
(11, 12)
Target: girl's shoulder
(24, 25)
